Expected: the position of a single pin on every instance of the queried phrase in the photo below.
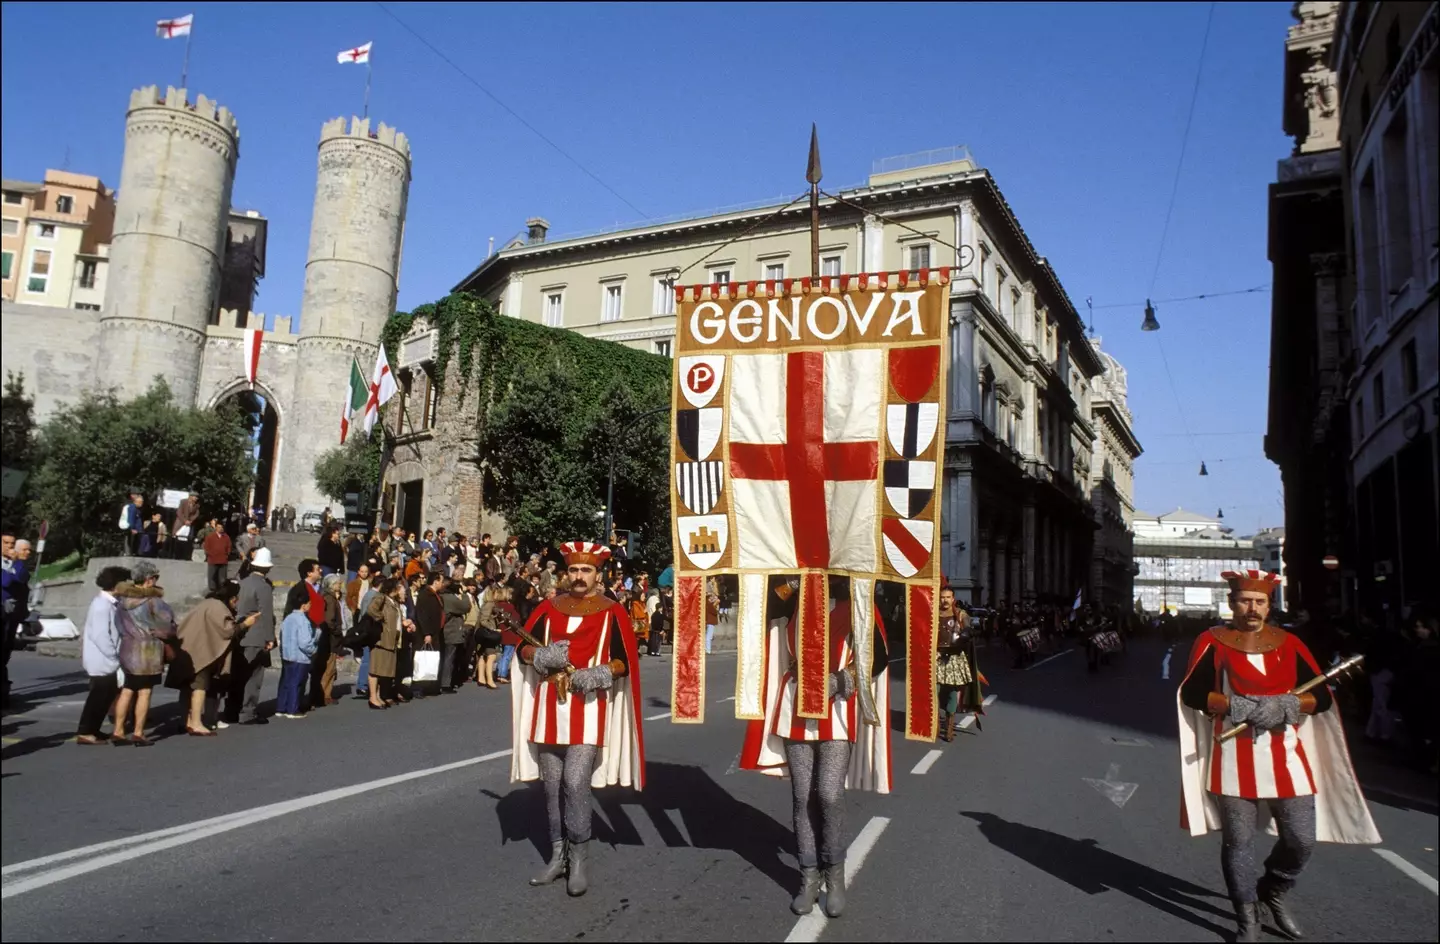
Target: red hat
(584, 552)
(1257, 581)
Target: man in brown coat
(217, 555)
(187, 517)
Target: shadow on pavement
(712, 817)
(1084, 865)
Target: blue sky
(1077, 109)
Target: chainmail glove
(840, 685)
(1241, 708)
(1290, 705)
(588, 680)
(1268, 713)
(552, 658)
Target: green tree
(353, 467)
(17, 447)
(96, 450)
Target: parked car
(311, 521)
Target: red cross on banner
(805, 461)
(180, 26)
(358, 54)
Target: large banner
(808, 439)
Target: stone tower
(169, 241)
(361, 189)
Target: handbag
(427, 666)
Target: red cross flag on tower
(358, 54)
(825, 397)
(382, 388)
(180, 26)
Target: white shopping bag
(427, 666)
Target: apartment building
(55, 240)
(1387, 61)
(1018, 519)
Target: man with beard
(956, 671)
(1292, 755)
(576, 709)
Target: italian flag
(359, 393)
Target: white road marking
(723, 700)
(1063, 652)
(808, 928)
(1426, 880)
(1113, 788)
(989, 700)
(967, 721)
(927, 762)
(105, 854)
(734, 766)
(663, 714)
(1165, 666)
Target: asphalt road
(402, 825)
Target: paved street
(402, 825)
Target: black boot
(835, 889)
(1272, 895)
(576, 881)
(1247, 922)
(804, 901)
(556, 868)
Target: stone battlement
(150, 97)
(280, 334)
(360, 128)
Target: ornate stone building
(180, 254)
(1112, 486)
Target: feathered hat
(1257, 581)
(585, 552)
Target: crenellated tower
(169, 241)
(351, 273)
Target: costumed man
(957, 673)
(576, 709)
(822, 756)
(1292, 755)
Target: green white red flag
(355, 400)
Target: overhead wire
(513, 113)
(739, 236)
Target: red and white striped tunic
(840, 725)
(1272, 765)
(580, 718)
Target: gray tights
(817, 782)
(1295, 819)
(566, 769)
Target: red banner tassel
(687, 686)
(811, 647)
(920, 636)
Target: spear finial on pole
(812, 176)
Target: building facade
(183, 266)
(1387, 62)
(1112, 486)
(1018, 515)
(1179, 558)
(1355, 362)
(55, 240)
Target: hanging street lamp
(1149, 324)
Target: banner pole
(368, 67)
(185, 69)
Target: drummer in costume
(957, 674)
(1292, 756)
(589, 735)
(822, 756)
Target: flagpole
(185, 69)
(368, 67)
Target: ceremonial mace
(1351, 663)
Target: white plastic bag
(427, 666)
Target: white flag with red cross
(382, 388)
(179, 26)
(358, 54)
(807, 442)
